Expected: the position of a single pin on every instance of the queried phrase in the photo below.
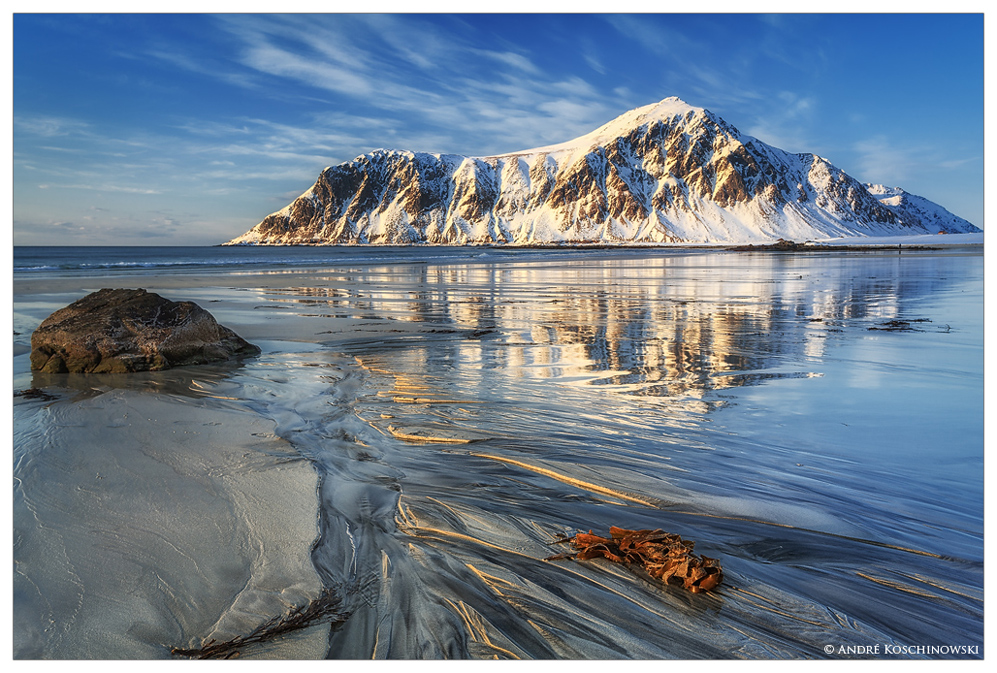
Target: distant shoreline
(914, 241)
(923, 242)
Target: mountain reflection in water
(672, 326)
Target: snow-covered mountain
(667, 172)
(913, 208)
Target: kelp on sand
(665, 556)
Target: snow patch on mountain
(912, 207)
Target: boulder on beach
(123, 330)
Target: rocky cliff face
(667, 172)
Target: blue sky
(189, 129)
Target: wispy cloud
(595, 64)
(105, 187)
(49, 127)
(453, 87)
(328, 75)
(202, 66)
(882, 161)
(657, 38)
(961, 162)
(786, 121)
(516, 61)
(898, 162)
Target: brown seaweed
(664, 556)
(899, 325)
(325, 607)
(35, 394)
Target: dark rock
(117, 331)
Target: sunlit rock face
(667, 172)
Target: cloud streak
(453, 87)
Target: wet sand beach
(145, 522)
(417, 435)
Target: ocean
(424, 425)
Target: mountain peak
(666, 110)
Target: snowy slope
(912, 207)
(666, 172)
